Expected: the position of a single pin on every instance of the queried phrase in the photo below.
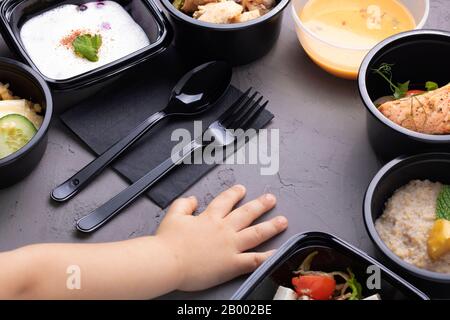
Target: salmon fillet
(426, 113)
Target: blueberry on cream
(69, 40)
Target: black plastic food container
(418, 56)
(334, 255)
(395, 174)
(25, 83)
(237, 43)
(13, 13)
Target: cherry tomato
(316, 287)
(414, 92)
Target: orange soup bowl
(343, 60)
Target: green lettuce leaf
(354, 286)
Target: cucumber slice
(15, 132)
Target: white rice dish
(46, 37)
(406, 222)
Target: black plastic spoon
(194, 93)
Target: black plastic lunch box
(13, 13)
(27, 84)
(334, 255)
(417, 56)
(236, 43)
(433, 166)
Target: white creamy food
(48, 37)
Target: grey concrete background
(326, 163)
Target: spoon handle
(105, 212)
(82, 178)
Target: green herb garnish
(430, 86)
(354, 286)
(385, 71)
(443, 204)
(86, 46)
(401, 90)
(178, 4)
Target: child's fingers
(183, 206)
(255, 235)
(244, 216)
(249, 261)
(225, 202)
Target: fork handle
(101, 215)
(81, 179)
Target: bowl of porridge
(407, 214)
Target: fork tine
(245, 114)
(256, 112)
(238, 110)
(235, 105)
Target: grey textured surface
(326, 163)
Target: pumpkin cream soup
(356, 23)
(351, 28)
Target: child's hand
(211, 248)
(187, 253)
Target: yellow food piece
(439, 239)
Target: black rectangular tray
(334, 255)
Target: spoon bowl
(199, 89)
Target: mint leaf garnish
(87, 45)
(443, 204)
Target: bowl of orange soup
(337, 34)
